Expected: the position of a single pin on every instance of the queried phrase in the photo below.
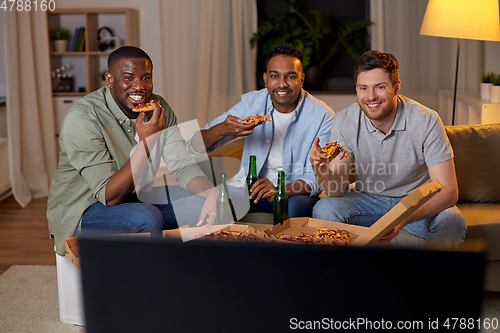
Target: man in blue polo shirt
(397, 145)
(283, 143)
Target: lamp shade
(468, 19)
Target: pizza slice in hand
(330, 149)
(144, 107)
(256, 119)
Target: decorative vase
(495, 94)
(60, 45)
(485, 90)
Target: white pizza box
(363, 235)
(188, 234)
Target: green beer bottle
(251, 179)
(280, 202)
(225, 210)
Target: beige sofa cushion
(483, 223)
(477, 161)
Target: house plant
(312, 34)
(495, 89)
(486, 82)
(61, 37)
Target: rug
(29, 302)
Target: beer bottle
(225, 210)
(280, 202)
(251, 179)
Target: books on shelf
(80, 40)
(74, 39)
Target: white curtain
(30, 119)
(207, 59)
(427, 64)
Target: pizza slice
(256, 119)
(332, 236)
(231, 235)
(144, 107)
(302, 238)
(330, 148)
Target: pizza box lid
(365, 236)
(188, 234)
(398, 213)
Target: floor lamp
(461, 19)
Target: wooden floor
(24, 234)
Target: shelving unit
(470, 108)
(88, 64)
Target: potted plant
(311, 33)
(61, 37)
(495, 89)
(486, 82)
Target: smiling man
(110, 155)
(280, 145)
(398, 145)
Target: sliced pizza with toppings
(302, 238)
(332, 236)
(231, 236)
(256, 119)
(330, 149)
(144, 107)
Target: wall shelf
(470, 108)
(87, 65)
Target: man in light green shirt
(108, 152)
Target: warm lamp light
(469, 19)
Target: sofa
(477, 164)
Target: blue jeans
(364, 209)
(168, 208)
(298, 206)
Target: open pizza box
(73, 251)
(363, 235)
(188, 234)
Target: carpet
(29, 302)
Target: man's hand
(318, 161)
(232, 126)
(393, 233)
(209, 209)
(154, 125)
(262, 189)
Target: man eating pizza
(282, 143)
(397, 145)
(110, 155)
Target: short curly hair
(286, 49)
(375, 59)
(127, 52)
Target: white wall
(149, 28)
(492, 57)
(2, 59)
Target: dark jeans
(165, 208)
